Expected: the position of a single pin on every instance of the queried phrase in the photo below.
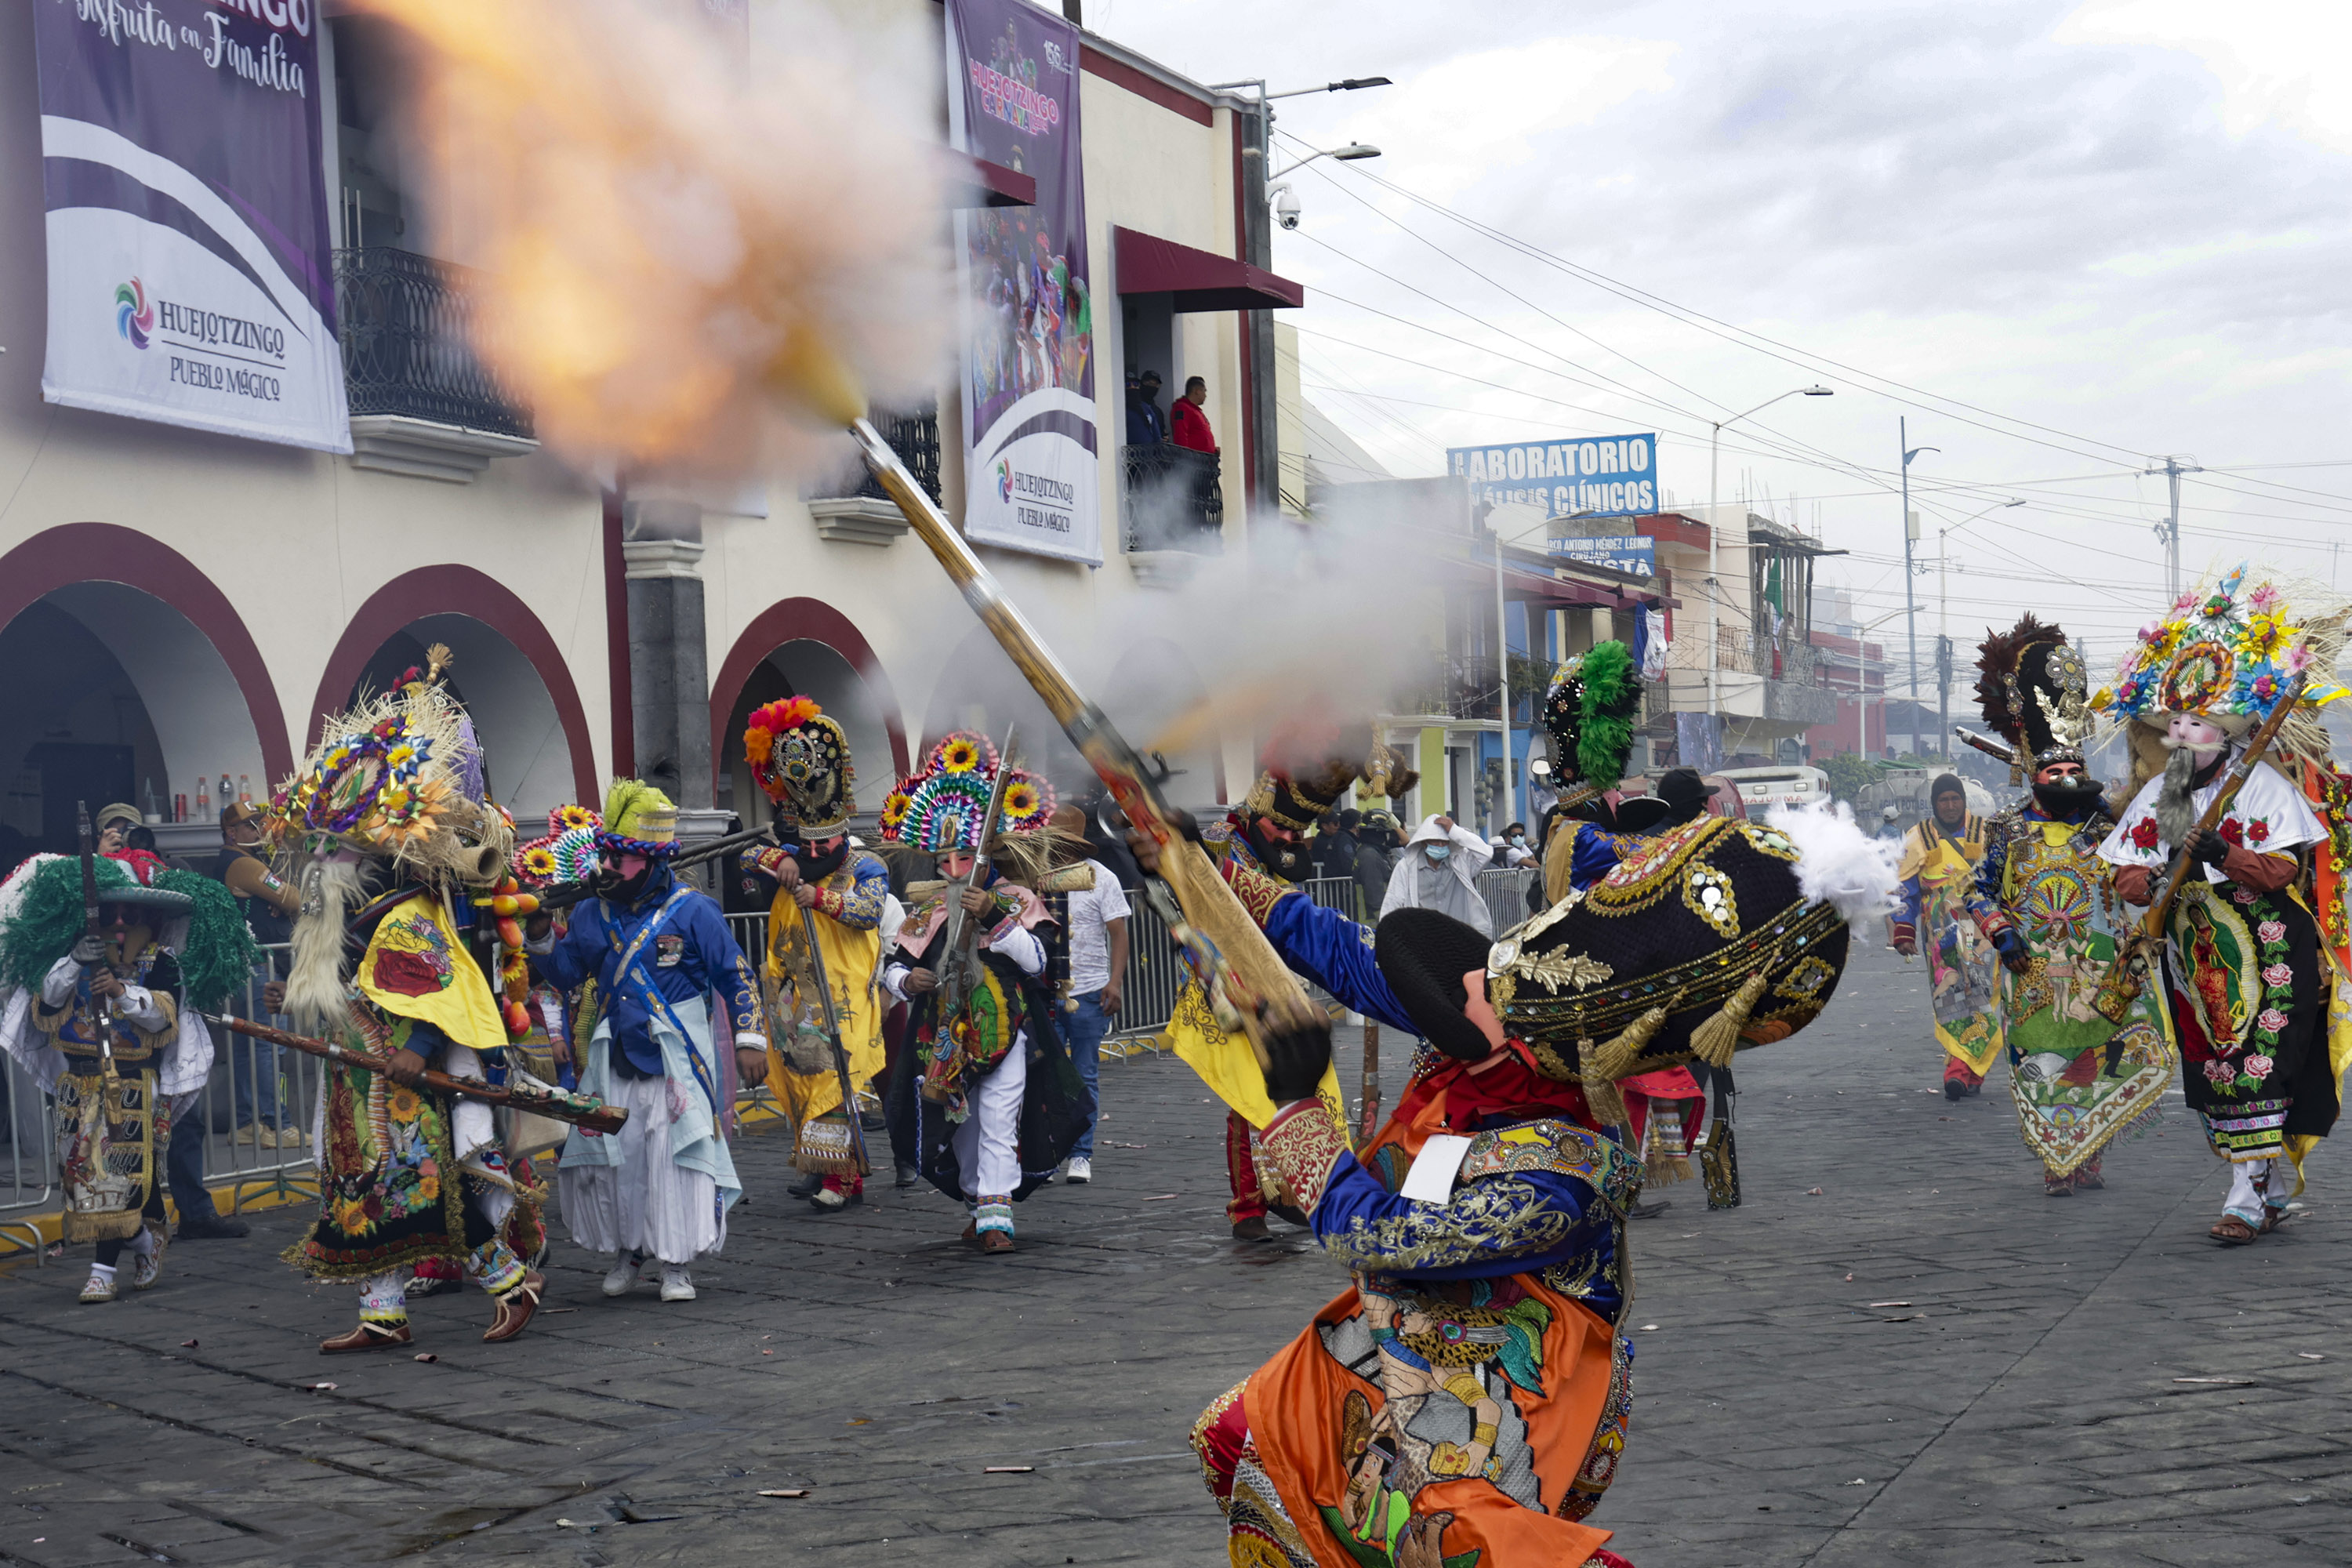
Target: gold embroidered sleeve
(1486, 1221)
(1305, 1141)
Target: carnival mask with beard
(2066, 794)
(620, 887)
(2198, 750)
(815, 867)
(1283, 858)
(317, 982)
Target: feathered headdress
(567, 854)
(939, 807)
(1588, 712)
(800, 759)
(391, 778)
(42, 916)
(2030, 686)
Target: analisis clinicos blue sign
(1615, 476)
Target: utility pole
(1910, 598)
(2169, 532)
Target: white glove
(88, 950)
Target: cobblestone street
(1927, 1363)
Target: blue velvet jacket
(692, 955)
(1555, 1209)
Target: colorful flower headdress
(567, 854)
(390, 779)
(940, 809)
(800, 759)
(2228, 651)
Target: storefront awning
(973, 182)
(1198, 280)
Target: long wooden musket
(561, 895)
(2128, 976)
(958, 964)
(833, 1036)
(1237, 965)
(93, 928)
(1990, 748)
(561, 1105)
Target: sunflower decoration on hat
(800, 759)
(567, 853)
(396, 777)
(2227, 651)
(942, 805)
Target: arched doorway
(807, 667)
(130, 679)
(534, 733)
(805, 647)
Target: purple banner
(191, 274)
(1031, 473)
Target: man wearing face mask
(2048, 904)
(1439, 870)
(2249, 974)
(657, 948)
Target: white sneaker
(622, 1278)
(1079, 1171)
(678, 1285)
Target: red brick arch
(106, 552)
(462, 591)
(809, 620)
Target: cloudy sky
(2061, 237)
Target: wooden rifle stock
(1237, 966)
(2128, 976)
(832, 1035)
(581, 1110)
(92, 928)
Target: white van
(1762, 788)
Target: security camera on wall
(1285, 206)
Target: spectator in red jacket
(1192, 426)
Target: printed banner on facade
(1615, 476)
(1032, 474)
(191, 274)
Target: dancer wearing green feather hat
(110, 1025)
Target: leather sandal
(515, 1308)
(2057, 1186)
(2274, 1218)
(995, 1243)
(2232, 1231)
(366, 1337)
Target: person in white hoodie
(1439, 870)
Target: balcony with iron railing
(422, 401)
(1172, 499)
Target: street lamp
(1715, 531)
(1910, 606)
(1503, 653)
(1285, 200)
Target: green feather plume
(219, 955)
(1613, 700)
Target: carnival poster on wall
(191, 276)
(1032, 479)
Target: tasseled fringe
(1714, 1041)
(1617, 1058)
(1608, 1102)
(1665, 1162)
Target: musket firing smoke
(678, 246)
